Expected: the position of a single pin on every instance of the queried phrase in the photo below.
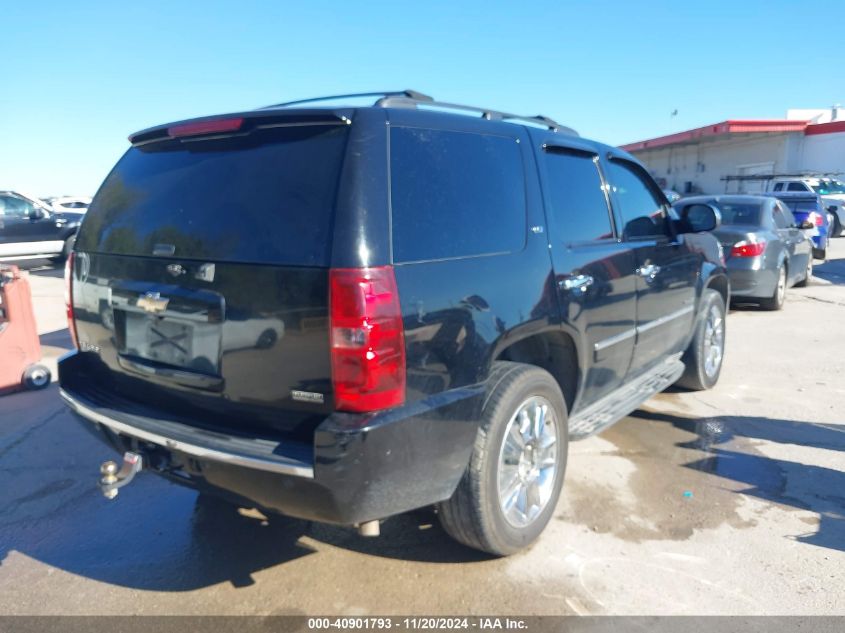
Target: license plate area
(168, 326)
(181, 343)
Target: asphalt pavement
(730, 501)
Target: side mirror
(806, 224)
(832, 208)
(36, 213)
(699, 218)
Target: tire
(820, 253)
(776, 301)
(267, 339)
(702, 366)
(106, 315)
(66, 250)
(36, 377)
(475, 515)
(808, 274)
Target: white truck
(831, 190)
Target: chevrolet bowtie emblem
(152, 302)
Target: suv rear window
(455, 194)
(267, 197)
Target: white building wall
(816, 115)
(824, 152)
(793, 148)
(704, 164)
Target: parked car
(70, 204)
(831, 190)
(461, 296)
(765, 250)
(29, 229)
(810, 214)
(671, 196)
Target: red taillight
(71, 325)
(367, 339)
(197, 128)
(816, 218)
(748, 249)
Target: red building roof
(727, 128)
(825, 128)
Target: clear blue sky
(80, 76)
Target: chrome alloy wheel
(528, 461)
(781, 289)
(714, 340)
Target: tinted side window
(642, 210)
(778, 186)
(455, 194)
(796, 186)
(578, 203)
(14, 207)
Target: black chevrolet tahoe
(346, 313)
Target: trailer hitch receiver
(112, 479)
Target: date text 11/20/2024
(416, 623)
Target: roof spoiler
(237, 123)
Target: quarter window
(455, 194)
(642, 211)
(576, 194)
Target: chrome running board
(615, 406)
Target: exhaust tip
(370, 528)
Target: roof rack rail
(414, 99)
(408, 94)
(487, 113)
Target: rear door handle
(649, 272)
(575, 282)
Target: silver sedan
(765, 250)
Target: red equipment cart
(20, 349)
